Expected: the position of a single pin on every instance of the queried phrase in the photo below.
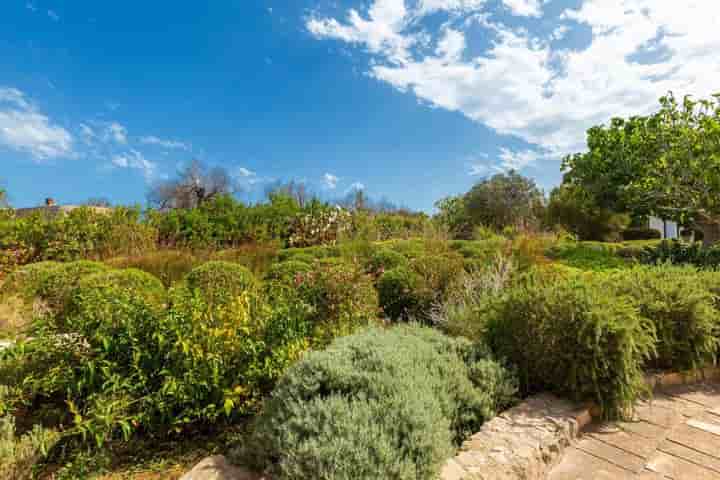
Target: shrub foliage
(380, 404)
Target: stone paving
(675, 436)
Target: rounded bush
(98, 297)
(58, 287)
(342, 296)
(384, 259)
(287, 272)
(390, 404)
(397, 293)
(220, 282)
(26, 281)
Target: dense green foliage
(380, 404)
(588, 256)
(505, 200)
(220, 282)
(675, 251)
(664, 164)
(682, 307)
(570, 336)
(83, 233)
(575, 210)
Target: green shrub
(574, 337)
(396, 291)
(99, 297)
(217, 359)
(26, 281)
(479, 249)
(380, 404)
(675, 251)
(413, 291)
(438, 273)
(588, 256)
(58, 286)
(220, 282)
(682, 308)
(342, 296)
(287, 272)
(384, 259)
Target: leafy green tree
(665, 164)
(504, 200)
(577, 212)
(3, 198)
(452, 213)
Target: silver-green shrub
(389, 404)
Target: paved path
(675, 436)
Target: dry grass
(14, 317)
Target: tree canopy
(666, 164)
(505, 199)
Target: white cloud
(169, 144)
(25, 129)
(525, 86)
(115, 132)
(247, 177)
(524, 8)
(136, 161)
(516, 160)
(53, 15)
(244, 172)
(330, 181)
(31, 7)
(560, 32)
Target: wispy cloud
(168, 144)
(534, 87)
(478, 169)
(330, 181)
(136, 161)
(115, 132)
(24, 128)
(53, 15)
(517, 160)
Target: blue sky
(412, 99)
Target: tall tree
(666, 164)
(504, 200)
(194, 185)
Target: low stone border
(524, 442)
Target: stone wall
(523, 443)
